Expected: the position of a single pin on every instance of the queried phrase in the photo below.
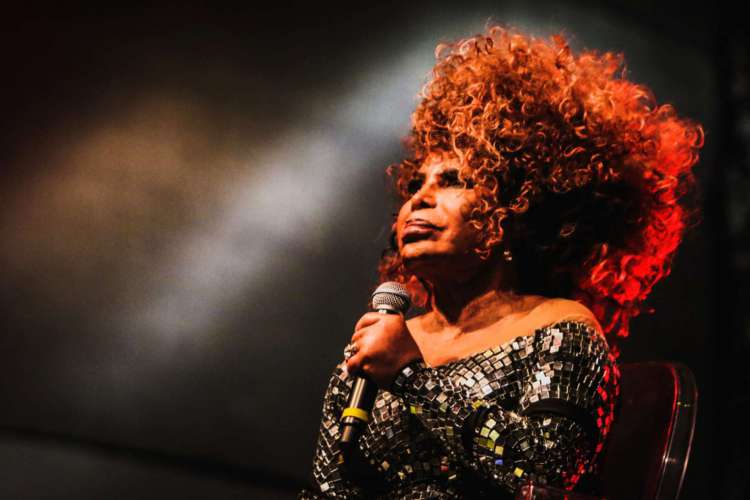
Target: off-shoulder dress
(538, 407)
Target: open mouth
(411, 238)
(417, 232)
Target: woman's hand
(383, 345)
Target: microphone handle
(357, 412)
(362, 398)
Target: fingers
(367, 319)
(362, 337)
(361, 326)
(354, 365)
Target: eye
(414, 185)
(450, 178)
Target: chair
(648, 448)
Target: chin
(429, 247)
(419, 250)
(422, 262)
(429, 261)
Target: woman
(541, 202)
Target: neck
(462, 304)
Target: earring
(507, 255)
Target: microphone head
(391, 296)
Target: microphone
(389, 298)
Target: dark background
(194, 202)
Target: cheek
(463, 206)
(468, 234)
(403, 212)
(401, 220)
(465, 210)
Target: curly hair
(578, 165)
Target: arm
(536, 409)
(329, 474)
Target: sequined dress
(538, 407)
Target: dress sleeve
(328, 472)
(538, 408)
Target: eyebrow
(442, 173)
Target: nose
(424, 198)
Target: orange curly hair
(577, 164)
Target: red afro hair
(578, 171)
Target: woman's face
(432, 228)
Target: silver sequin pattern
(538, 407)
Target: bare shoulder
(559, 309)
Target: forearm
(443, 408)
(503, 446)
(329, 472)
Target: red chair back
(649, 446)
